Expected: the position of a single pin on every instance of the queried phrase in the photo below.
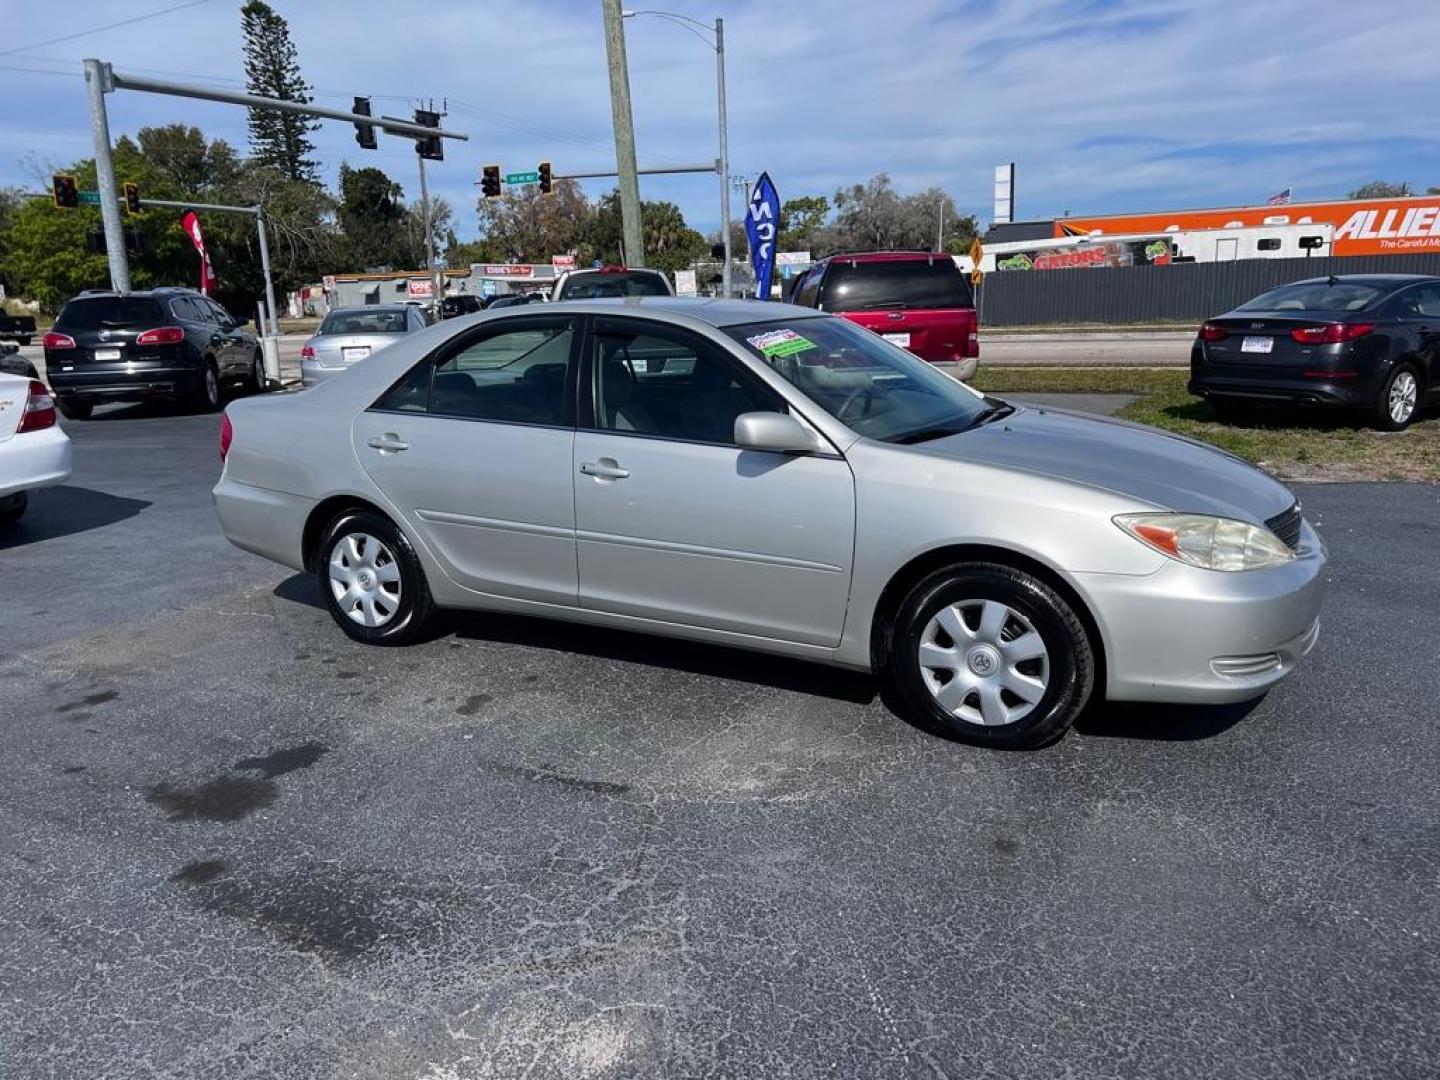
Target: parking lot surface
(235, 844)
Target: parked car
(1357, 341)
(782, 480)
(34, 451)
(167, 343)
(610, 281)
(19, 327)
(516, 300)
(460, 304)
(918, 300)
(349, 335)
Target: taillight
(1330, 333)
(161, 335)
(39, 409)
(227, 433)
(307, 353)
(58, 341)
(1211, 332)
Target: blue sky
(1105, 105)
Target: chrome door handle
(604, 469)
(389, 443)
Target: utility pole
(631, 228)
(98, 82)
(724, 157)
(425, 224)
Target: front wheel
(991, 655)
(372, 581)
(1399, 400)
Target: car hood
(1153, 466)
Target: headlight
(1211, 542)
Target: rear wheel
(12, 509)
(373, 584)
(1399, 400)
(259, 382)
(72, 409)
(206, 396)
(991, 655)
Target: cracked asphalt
(235, 844)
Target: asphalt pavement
(235, 844)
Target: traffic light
(490, 181)
(67, 195)
(430, 147)
(545, 182)
(364, 133)
(132, 198)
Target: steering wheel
(867, 392)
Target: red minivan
(917, 299)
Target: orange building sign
(1362, 226)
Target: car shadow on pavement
(719, 661)
(66, 510)
(1162, 723)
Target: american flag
(1280, 198)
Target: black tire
(205, 398)
(1385, 419)
(13, 508)
(258, 382)
(1232, 411)
(72, 409)
(406, 622)
(1070, 658)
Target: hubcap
(365, 579)
(984, 662)
(1404, 392)
(212, 388)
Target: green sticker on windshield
(778, 343)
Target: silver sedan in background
(349, 335)
(775, 478)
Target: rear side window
(97, 312)
(911, 283)
(605, 284)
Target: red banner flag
(191, 224)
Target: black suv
(460, 304)
(166, 343)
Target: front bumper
(34, 459)
(1194, 636)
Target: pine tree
(272, 69)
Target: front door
(475, 448)
(675, 522)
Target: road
(235, 844)
(1062, 348)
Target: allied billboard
(1362, 226)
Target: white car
(34, 452)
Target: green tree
(371, 216)
(530, 227)
(183, 157)
(272, 69)
(800, 220)
(1381, 189)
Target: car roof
(144, 294)
(884, 256)
(1368, 279)
(715, 312)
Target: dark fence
(1183, 292)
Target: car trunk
(921, 303)
(341, 350)
(1259, 345)
(936, 334)
(106, 330)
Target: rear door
(1420, 309)
(474, 447)
(924, 305)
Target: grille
(1286, 526)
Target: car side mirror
(775, 432)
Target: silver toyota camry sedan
(770, 477)
(349, 335)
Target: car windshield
(364, 322)
(606, 283)
(92, 313)
(876, 389)
(853, 285)
(1315, 296)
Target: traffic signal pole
(97, 81)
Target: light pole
(700, 29)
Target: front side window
(652, 382)
(876, 389)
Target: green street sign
(88, 198)
(522, 178)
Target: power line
(107, 26)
